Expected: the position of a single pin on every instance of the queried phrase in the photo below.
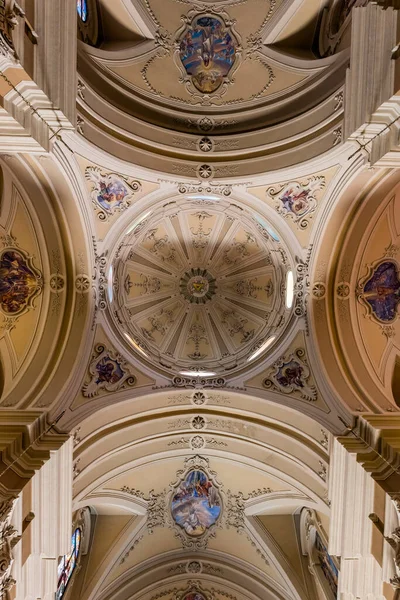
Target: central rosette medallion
(198, 286)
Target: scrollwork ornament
(205, 87)
(110, 192)
(195, 466)
(291, 375)
(198, 382)
(108, 371)
(297, 200)
(236, 505)
(194, 587)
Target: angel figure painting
(196, 504)
(208, 52)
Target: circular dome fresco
(199, 287)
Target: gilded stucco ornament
(291, 375)
(207, 53)
(110, 192)
(108, 372)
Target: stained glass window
(327, 565)
(68, 563)
(81, 6)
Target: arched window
(67, 564)
(81, 6)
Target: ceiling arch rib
(129, 464)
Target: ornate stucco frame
(186, 79)
(198, 463)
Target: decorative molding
(236, 505)
(203, 86)
(109, 371)
(291, 375)
(111, 192)
(297, 199)
(198, 382)
(196, 541)
(190, 188)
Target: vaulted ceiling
(199, 270)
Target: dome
(199, 287)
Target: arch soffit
(345, 334)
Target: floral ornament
(290, 375)
(198, 422)
(109, 372)
(110, 192)
(379, 291)
(297, 200)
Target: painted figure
(196, 504)
(67, 564)
(207, 52)
(18, 282)
(382, 291)
(327, 565)
(108, 371)
(291, 373)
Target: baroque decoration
(109, 372)
(291, 374)
(20, 282)
(379, 291)
(297, 200)
(197, 288)
(196, 504)
(207, 52)
(110, 192)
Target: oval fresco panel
(19, 282)
(196, 503)
(382, 291)
(207, 51)
(194, 596)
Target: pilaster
(26, 443)
(372, 97)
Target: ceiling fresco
(208, 68)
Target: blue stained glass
(81, 7)
(327, 565)
(67, 564)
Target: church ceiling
(202, 84)
(199, 287)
